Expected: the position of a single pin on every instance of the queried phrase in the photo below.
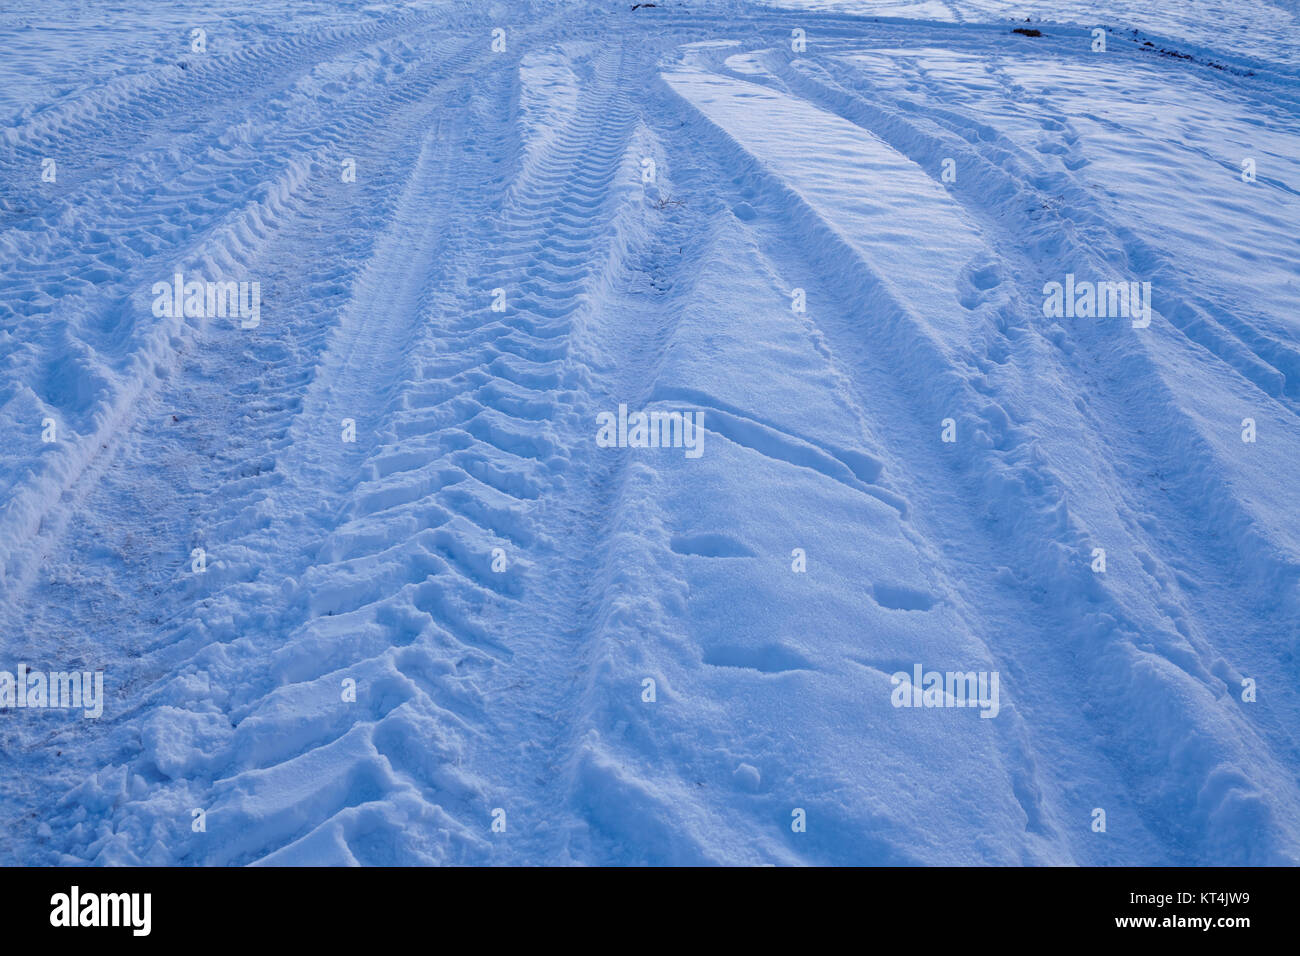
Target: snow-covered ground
(371, 577)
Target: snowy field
(710, 433)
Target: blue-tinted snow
(476, 634)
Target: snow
(366, 587)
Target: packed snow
(705, 433)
